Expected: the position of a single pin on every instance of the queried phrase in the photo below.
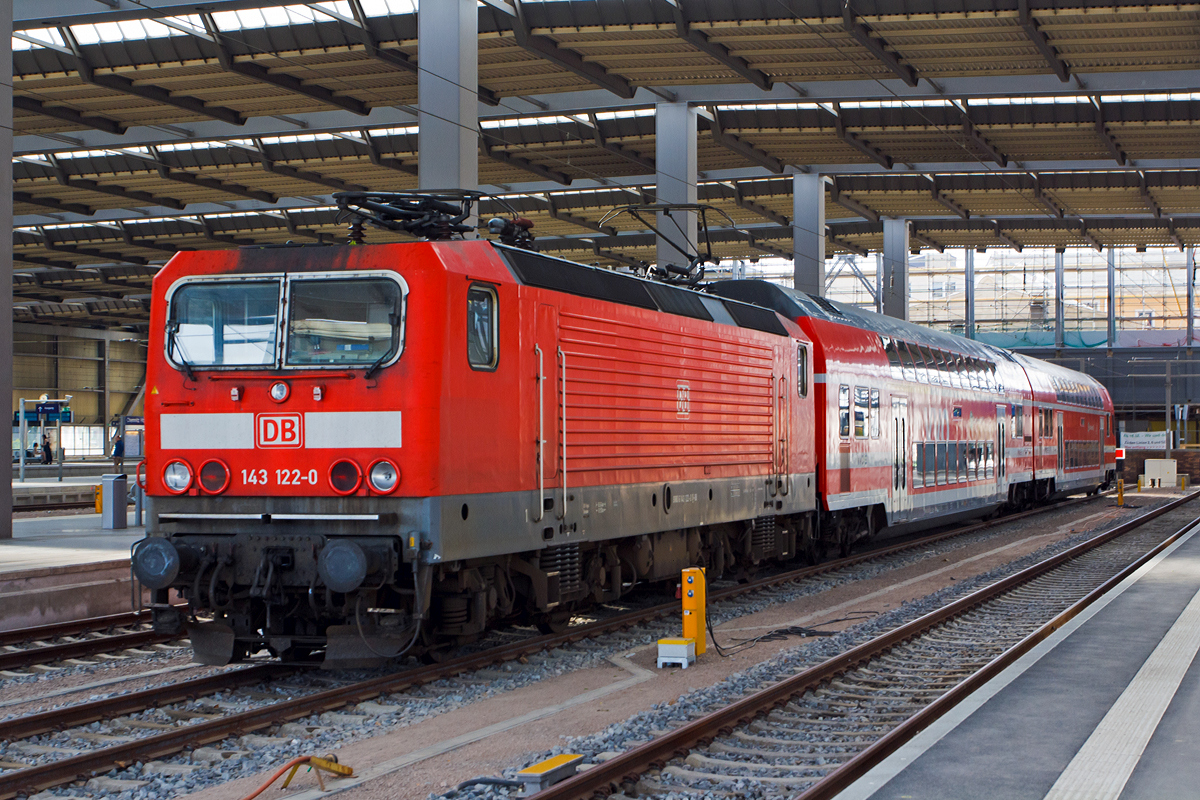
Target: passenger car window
(844, 411)
(482, 352)
(874, 413)
(861, 405)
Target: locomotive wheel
(554, 622)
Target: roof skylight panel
(50, 36)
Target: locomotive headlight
(384, 476)
(280, 391)
(177, 477)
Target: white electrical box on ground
(676, 651)
(1160, 472)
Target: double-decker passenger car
(917, 425)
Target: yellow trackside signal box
(695, 598)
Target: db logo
(683, 400)
(278, 430)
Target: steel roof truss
(270, 165)
(53, 203)
(862, 34)
(1109, 140)
(119, 83)
(626, 153)
(562, 216)
(72, 182)
(734, 143)
(613, 255)
(853, 139)
(926, 241)
(716, 50)
(1004, 237)
(1041, 42)
(759, 244)
(1089, 238)
(70, 115)
(939, 195)
(1147, 197)
(740, 200)
(842, 243)
(843, 200)
(975, 137)
(503, 157)
(284, 81)
(547, 48)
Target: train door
(900, 466)
(1001, 445)
(783, 417)
(546, 372)
(1060, 472)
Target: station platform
(62, 568)
(1107, 707)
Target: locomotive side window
(351, 321)
(844, 411)
(218, 324)
(802, 370)
(482, 352)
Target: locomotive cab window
(355, 321)
(482, 353)
(223, 324)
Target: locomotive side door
(900, 499)
(548, 424)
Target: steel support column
(895, 268)
(808, 232)
(1059, 317)
(1191, 295)
(6, 256)
(447, 95)
(1112, 297)
(675, 179)
(969, 298)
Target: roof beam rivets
(862, 34)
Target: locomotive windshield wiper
(379, 361)
(173, 349)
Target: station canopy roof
(150, 127)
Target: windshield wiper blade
(173, 349)
(378, 363)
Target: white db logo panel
(278, 430)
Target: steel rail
(72, 628)
(608, 776)
(46, 654)
(33, 779)
(54, 506)
(83, 713)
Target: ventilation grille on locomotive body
(567, 562)
(762, 537)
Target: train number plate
(279, 477)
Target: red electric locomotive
(363, 451)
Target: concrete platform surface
(62, 568)
(1106, 708)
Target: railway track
(812, 734)
(197, 729)
(48, 644)
(54, 506)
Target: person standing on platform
(118, 454)
(46, 450)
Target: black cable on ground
(780, 634)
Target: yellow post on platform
(695, 598)
(1120, 493)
